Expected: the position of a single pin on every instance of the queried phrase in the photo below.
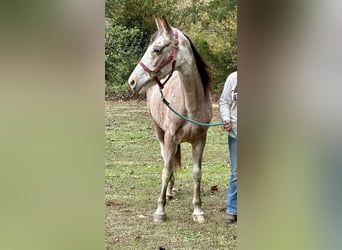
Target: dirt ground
(132, 184)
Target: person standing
(228, 113)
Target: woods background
(211, 24)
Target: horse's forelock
(155, 35)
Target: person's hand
(227, 126)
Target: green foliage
(216, 26)
(122, 51)
(211, 24)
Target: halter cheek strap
(166, 61)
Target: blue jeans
(232, 190)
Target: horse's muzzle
(133, 84)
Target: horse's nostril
(132, 83)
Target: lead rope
(190, 120)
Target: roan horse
(172, 55)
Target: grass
(132, 184)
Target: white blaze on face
(138, 77)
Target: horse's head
(159, 59)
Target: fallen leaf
(214, 188)
(111, 203)
(223, 208)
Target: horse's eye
(156, 51)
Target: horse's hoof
(199, 219)
(170, 194)
(159, 218)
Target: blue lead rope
(192, 121)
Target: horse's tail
(178, 159)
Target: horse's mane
(201, 66)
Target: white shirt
(228, 102)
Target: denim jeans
(232, 190)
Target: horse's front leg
(169, 191)
(197, 153)
(169, 160)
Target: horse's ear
(158, 22)
(165, 25)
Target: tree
(122, 50)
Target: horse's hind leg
(169, 159)
(197, 153)
(169, 190)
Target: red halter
(173, 57)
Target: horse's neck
(192, 88)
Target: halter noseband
(173, 57)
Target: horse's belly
(191, 133)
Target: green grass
(132, 184)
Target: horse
(172, 57)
